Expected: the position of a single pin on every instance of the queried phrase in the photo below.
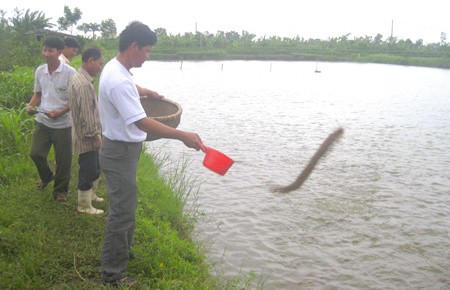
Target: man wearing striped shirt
(86, 129)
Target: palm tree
(89, 27)
(29, 21)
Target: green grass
(45, 245)
(16, 86)
(15, 135)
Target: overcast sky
(285, 18)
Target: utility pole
(392, 29)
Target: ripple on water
(374, 212)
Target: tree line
(220, 45)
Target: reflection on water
(374, 214)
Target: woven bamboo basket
(165, 111)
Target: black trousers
(89, 170)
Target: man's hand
(192, 140)
(144, 92)
(154, 95)
(97, 143)
(58, 113)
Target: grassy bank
(45, 245)
(435, 61)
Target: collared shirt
(86, 126)
(64, 59)
(54, 94)
(119, 104)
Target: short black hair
(138, 32)
(93, 52)
(71, 42)
(54, 42)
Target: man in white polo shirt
(124, 127)
(53, 122)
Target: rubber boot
(85, 203)
(94, 189)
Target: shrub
(15, 136)
(16, 86)
(18, 49)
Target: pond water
(374, 213)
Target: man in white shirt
(124, 127)
(53, 122)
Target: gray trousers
(119, 161)
(61, 139)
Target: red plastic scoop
(216, 161)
